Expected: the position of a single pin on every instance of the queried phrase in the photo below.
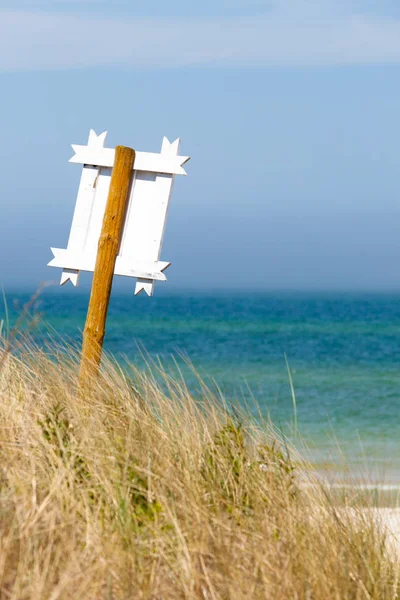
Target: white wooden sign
(152, 182)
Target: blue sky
(289, 110)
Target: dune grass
(134, 489)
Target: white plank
(144, 161)
(83, 208)
(85, 261)
(98, 209)
(148, 208)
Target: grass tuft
(135, 489)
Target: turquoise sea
(343, 351)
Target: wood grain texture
(107, 252)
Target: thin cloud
(31, 41)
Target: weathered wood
(108, 248)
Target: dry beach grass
(134, 489)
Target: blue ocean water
(343, 352)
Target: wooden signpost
(118, 226)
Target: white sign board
(152, 182)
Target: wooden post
(108, 249)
